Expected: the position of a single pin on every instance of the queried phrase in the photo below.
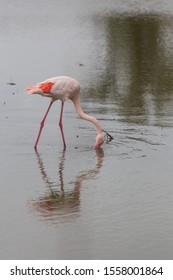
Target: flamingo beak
(97, 146)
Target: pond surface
(111, 203)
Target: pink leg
(61, 125)
(42, 124)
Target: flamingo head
(99, 141)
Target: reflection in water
(59, 204)
(138, 66)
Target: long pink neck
(85, 116)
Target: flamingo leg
(61, 125)
(42, 124)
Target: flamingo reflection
(59, 204)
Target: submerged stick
(109, 137)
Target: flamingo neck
(89, 118)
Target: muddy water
(113, 203)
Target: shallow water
(113, 203)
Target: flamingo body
(63, 88)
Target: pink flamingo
(64, 88)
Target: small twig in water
(109, 138)
(11, 84)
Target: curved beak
(97, 146)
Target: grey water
(112, 203)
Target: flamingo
(63, 88)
